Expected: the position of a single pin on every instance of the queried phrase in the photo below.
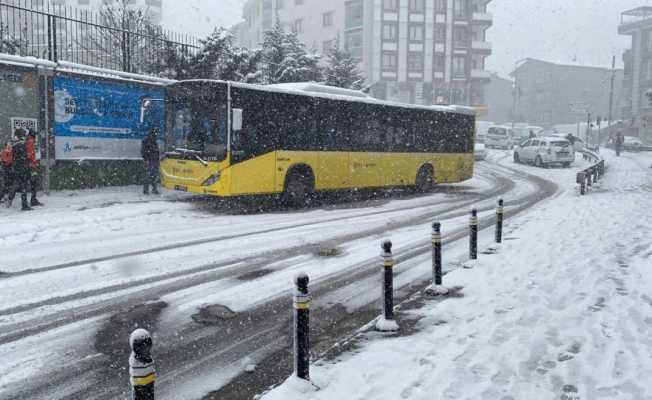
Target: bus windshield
(198, 124)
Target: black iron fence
(113, 38)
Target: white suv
(545, 151)
(500, 137)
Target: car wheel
(298, 191)
(517, 158)
(425, 180)
(538, 162)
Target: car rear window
(560, 143)
(497, 131)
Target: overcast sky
(583, 32)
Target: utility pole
(611, 93)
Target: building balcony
(481, 47)
(480, 74)
(634, 20)
(482, 18)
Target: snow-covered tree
(219, 59)
(243, 65)
(287, 59)
(8, 43)
(172, 61)
(215, 50)
(341, 69)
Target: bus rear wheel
(298, 190)
(425, 179)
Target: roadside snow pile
(563, 312)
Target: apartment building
(637, 82)
(548, 93)
(414, 51)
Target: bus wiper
(194, 153)
(200, 160)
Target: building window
(354, 14)
(649, 40)
(440, 64)
(416, 33)
(440, 6)
(389, 60)
(327, 19)
(298, 25)
(279, 4)
(353, 43)
(459, 9)
(390, 5)
(416, 6)
(648, 70)
(440, 33)
(389, 31)
(415, 62)
(459, 37)
(459, 67)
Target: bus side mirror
(144, 105)
(236, 123)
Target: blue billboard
(100, 119)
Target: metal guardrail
(589, 176)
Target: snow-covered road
(562, 312)
(82, 271)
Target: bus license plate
(181, 188)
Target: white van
(499, 137)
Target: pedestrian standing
(20, 169)
(30, 145)
(152, 157)
(6, 160)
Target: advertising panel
(98, 119)
(20, 100)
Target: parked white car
(545, 151)
(480, 152)
(499, 137)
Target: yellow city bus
(232, 139)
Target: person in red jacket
(30, 147)
(6, 161)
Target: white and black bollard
(437, 288)
(500, 217)
(387, 322)
(141, 365)
(473, 241)
(302, 327)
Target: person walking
(30, 145)
(620, 141)
(6, 161)
(20, 169)
(150, 153)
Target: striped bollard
(387, 322)
(302, 327)
(473, 241)
(437, 288)
(141, 365)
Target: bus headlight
(212, 180)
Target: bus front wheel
(425, 179)
(298, 190)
